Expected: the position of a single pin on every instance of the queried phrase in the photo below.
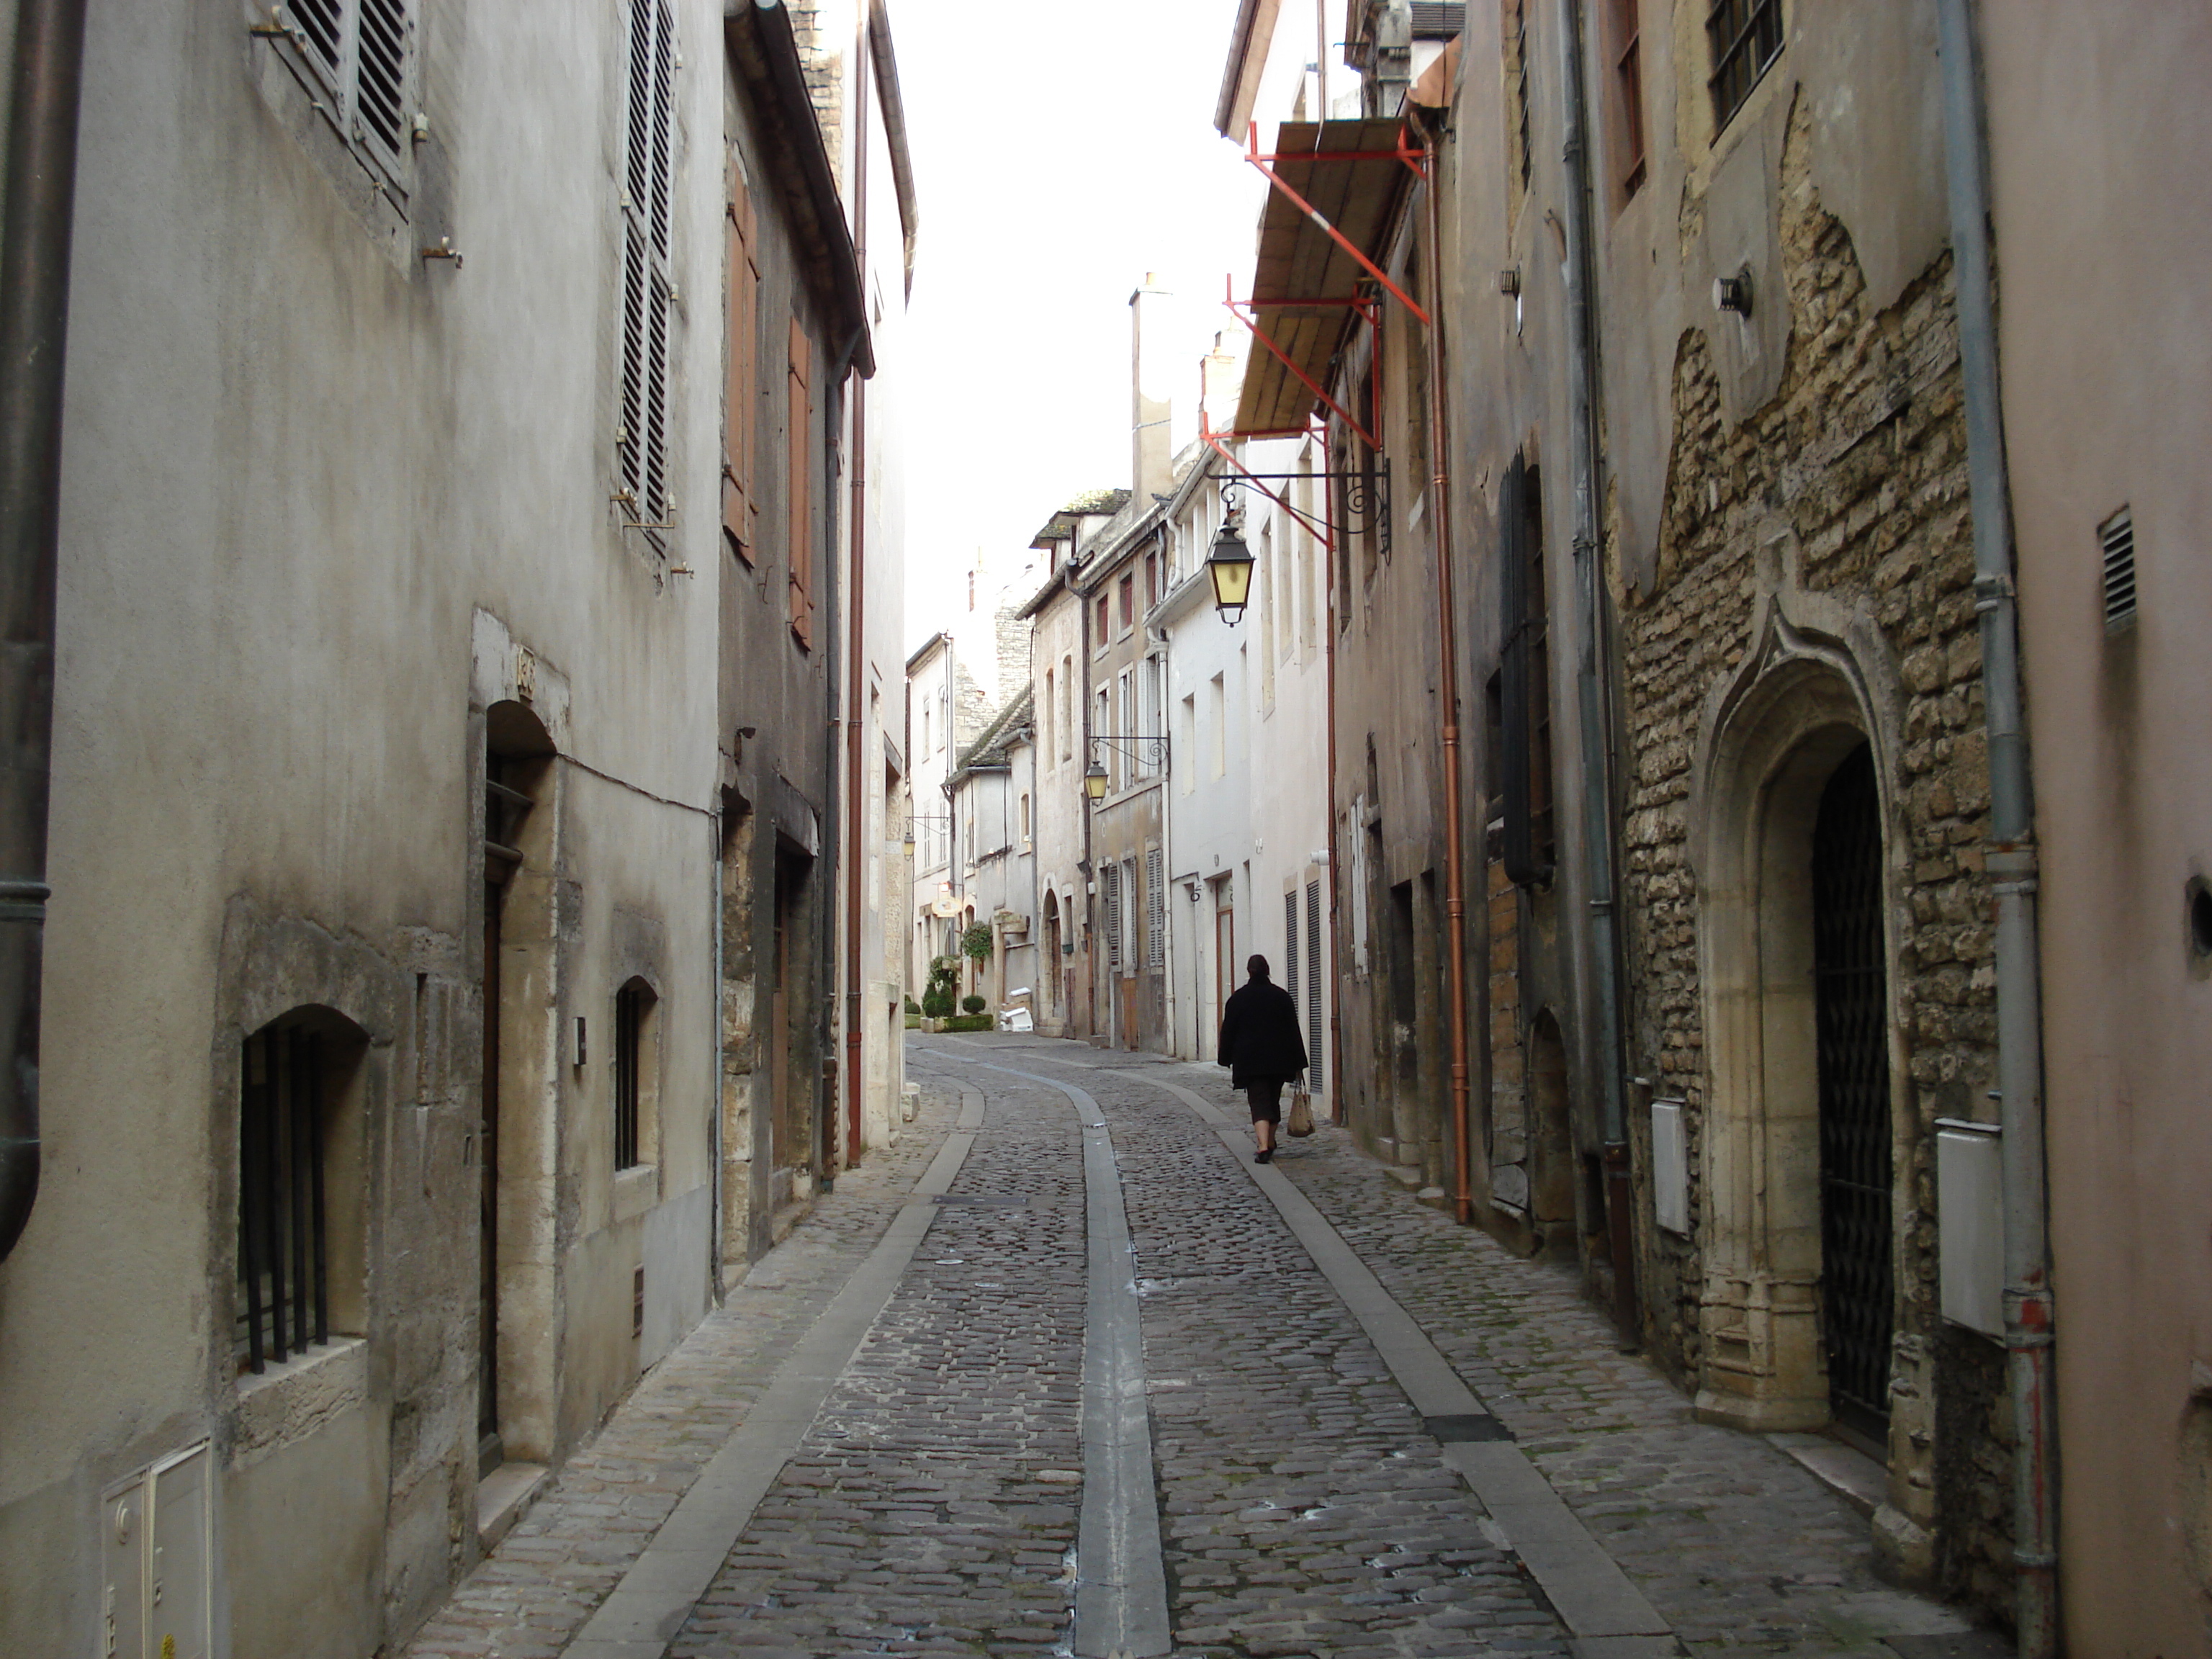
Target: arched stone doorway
(1800, 1129)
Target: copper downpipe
(1448, 688)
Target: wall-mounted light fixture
(1229, 565)
(1094, 780)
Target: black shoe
(1261, 1157)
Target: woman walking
(1261, 1045)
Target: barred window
(648, 167)
(301, 1202)
(634, 1075)
(1745, 38)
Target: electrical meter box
(154, 1547)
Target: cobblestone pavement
(577, 1540)
(1742, 1549)
(932, 1505)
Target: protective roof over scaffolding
(1335, 183)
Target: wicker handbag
(1300, 1121)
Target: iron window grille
(357, 56)
(1745, 36)
(630, 1027)
(284, 1227)
(648, 163)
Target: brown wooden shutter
(802, 519)
(741, 388)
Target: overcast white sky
(1060, 151)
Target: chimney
(1390, 62)
(1151, 400)
(1220, 382)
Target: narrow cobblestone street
(933, 1499)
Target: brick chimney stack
(1151, 401)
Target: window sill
(288, 1402)
(637, 1189)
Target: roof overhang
(765, 52)
(1335, 183)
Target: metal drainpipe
(856, 720)
(35, 264)
(1592, 692)
(1448, 690)
(2029, 1319)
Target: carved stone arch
(1817, 682)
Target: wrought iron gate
(1852, 1025)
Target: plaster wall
(1056, 648)
(2094, 123)
(300, 464)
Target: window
(801, 441)
(1151, 580)
(1519, 141)
(1155, 908)
(1525, 689)
(741, 390)
(1050, 708)
(1317, 1075)
(1290, 942)
(302, 1204)
(1025, 818)
(1066, 706)
(634, 1006)
(1186, 736)
(1126, 767)
(1745, 36)
(648, 163)
(1626, 47)
(1217, 728)
(1125, 589)
(1109, 905)
(1105, 634)
(355, 54)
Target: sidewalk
(535, 1591)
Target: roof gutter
(893, 105)
(35, 279)
(761, 44)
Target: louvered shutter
(647, 164)
(358, 51)
(1110, 911)
(801, 446)
(1291, 942)
(1156, 909)
(741, 387)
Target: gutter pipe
(2029, 1305)
(1592, 695)
(1448, 687)
(856, 721)
(34, 283)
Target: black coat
(1260, 1038)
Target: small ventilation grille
(2117, 535)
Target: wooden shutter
(649, 146)
(801, 446)
(741, 389)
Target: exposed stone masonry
(1862, 453)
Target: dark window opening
(1529, 840)
(1126, 591)
(1745, 36)
(299, 1209)
(631, 1004)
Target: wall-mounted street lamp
(1229, 565)
(1149, 753)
